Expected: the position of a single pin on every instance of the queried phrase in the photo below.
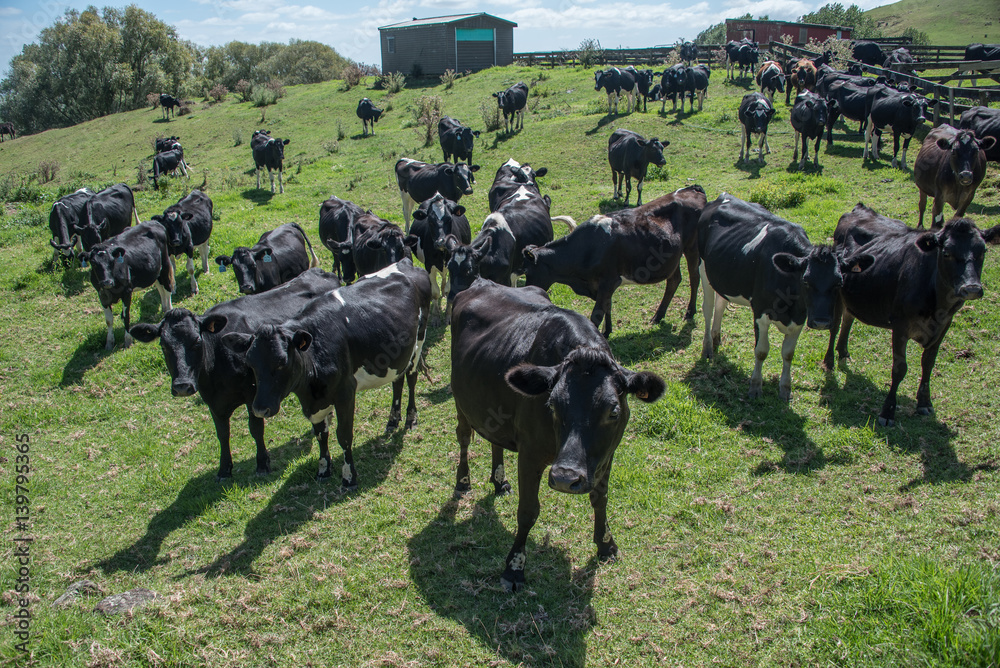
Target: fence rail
(646, 57)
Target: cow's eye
(615, 413)
(946, 253)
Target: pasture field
(751, 532)
(975, 22)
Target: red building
(772, 31)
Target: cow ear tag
(267, 257)
(222, 268)
(83, 262)
(120, 259)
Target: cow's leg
(663, 106)
(411, 402)
(762, 148)
(868, 138)
(258, 178)
(761, 326)
(281, 184)
(109, 319)
(895, 148)
(921, 205)
(906, 145)
(463, 431)
(396, 412)
(937, 212)
(165, 301)
(606, 547)
(345, 437)
(127, 315)
(500, 485)
(529, 476)
(602, 309)
(691, 258)
(638, 191)
(520, 123)
(203, 252)
(701, 99)
(964, 200)
(221, 420)
(876, 142)
(256, 425)
(628, 185)
(270, 175)
(672, 283)
(816, 149)
(787, 353)
(887, 417)
(744, 142)
(838, 311)
(191, 276)
(708, 345)
(845, 334)
(795, 150)
(927, 359)
(614, 184)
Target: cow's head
(652, 150)
(463, 263)
(247, 264)
(442, 216)
(756, 114)
(183, 337)
(502, 98)
(379, 247)
(275, 355)
(108, 267)
(462, 177)
(965, 152)
(817, 278)
(536, 268)
(466, 138)
(960, 247)
(587, 396)
(177, 225)
(66, 252)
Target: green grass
(751, 533)
(944, 23)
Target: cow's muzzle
(246, 289)
(182, 388)
(971, 291)
(819, 323)
(568, 479)
(264, 411)
(965, 179)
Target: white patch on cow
(346, 472)
(513, 280)
(512, 163)
(386, 272)
(109, 318)
(749, 246)
(742, 301)
(339, 297)
(367, 381)
(725, 201)
(602, 222)
(498, 473)
(627, 281)
(497, 221)
(522, 194)
(409, 161)
(418, 346)
(323, 466)
(322, 415)
(517, 561)
(607, 536)
(347, 320)
(464, 480)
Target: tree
(717, 34)
(835, 14)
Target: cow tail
(569, 222)
(315, 261)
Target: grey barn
(460, 42)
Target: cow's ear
(145, 332)
(238, 342)
(986, 143)
(944, 143)
(301, 340)
(992, 235)
(788, 263)
(287, 142)
(483, 248)
(451, 242)
(103, 224)
(263, 253)
(158, 217)
(857, 263)
(117, 252)
(927, 242)
(474, 168)
(496, 95)
(224, 260)
(459, 210)
(529, 253)
(187, 216)
(542, 172)
(645, 385)
(449, 170)
(419, 214)
(214, 324)
(475, 133)
(411, 241)
(531, 380)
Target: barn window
(391, 44)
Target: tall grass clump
(427, 112)
(589, 53)
(489, 111)
(448, 78)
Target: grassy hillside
(751, 532)
(946, 23)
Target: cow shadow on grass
(604, 120)
(752, 168)
(301, 497)
(163, 120)
(196, 498)
(856, 403)
(503, 136)
(810, 168)
(668, 335)
(845, 150)
(75, 281)
(89, 353)
(721, 384)
(258, 196)
(456, 562)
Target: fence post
(951, 104)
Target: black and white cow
(369, 115)
(615, 83)
(851, 100)
(949, 168)
(361, 242)
(198, 361)
(981, 51)
(913, 284)
(269, 152)
(899, 60)
(189, 225)
(512, 103)
(743, 54)
(755, 115)
(106, 214)
(808, 119)
(457, 140)
(358, 337)
(167, 104)
(868, 53)
(984, 122)
(162, 144)
(904, 113)
(135, 259)
(67, 217)
(433, 222)
(510, 177)
(643, 80)
(7, 129)
(629, 156)
(419, 181)
(336, 231)
(689, 52)
(278, 256)
(771, 79)
(541, 381)
(671, 85)
(639, 246)
(168, 162)
(695, 83)
(751, 257)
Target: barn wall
(772, 31)
(434, 47)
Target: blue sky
(351, 28)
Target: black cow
(369, 115)
(336, 231)
(358, 337)
(695, 82)
(269, 152)
(771, 79)
(672, 85)
(168, 162)
(278, 256)
(433, 222)
(851, 100)
(899, 59)
(456, 140)
(7, 129)
(167, 104)
(914, 284)
(949, 167)
(744, 54)
(135, 259)
(904, 113)
(509, 178)
(808, 119)
(67, 217)
(541, 381)
(377, 243)
(492, 255)
(654, 94)
(189, 225)
(512, 103)
(689, 52)
(418, 181)
(981, 51)
(197, 360)
(755, 115)
(639, 246)
(985, 123)
(162, 144)
(868, 53)
(615, 82)
(750, 256)
(106, 214)
(629, 155)
(643, 80)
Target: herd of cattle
(528, 376)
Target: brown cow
(803, 77)
(950, 166)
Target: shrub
(47, 170)
(426, 114)
(352, 75)
(142, 175)
(589, 53)
(153, 100)
(341, 132)
(277, 86)
(448, 78)
(184, 109)
(244, 89)
(263, 96)
(218, 92)
(396, 82)
(237, 136)
(490, 113)
(331, 146)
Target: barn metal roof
(436, 20)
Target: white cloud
(10, 11)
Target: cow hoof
(689, 315)
(512, 580)
(264, 470)
(785, 396)
(348, 487)
(462, 487)
(411, 422)
(220, 476)
(502, 489)
(756, 392)
(883, 422)
(925, 410)
(390, 427)
(608, 553)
